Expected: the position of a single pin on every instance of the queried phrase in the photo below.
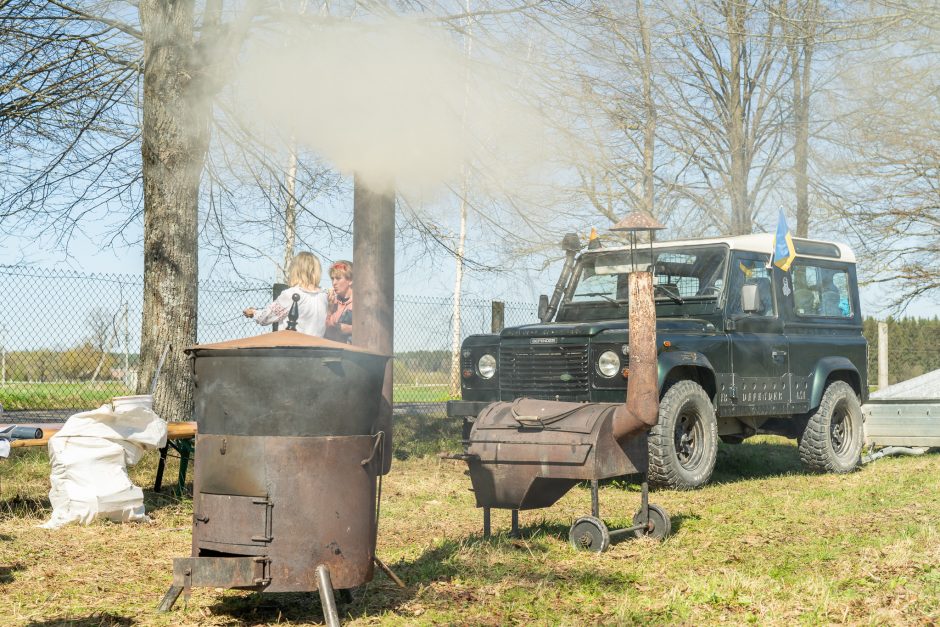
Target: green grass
(425, 393)
(765, 543)
(17, 395)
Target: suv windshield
(683, 273)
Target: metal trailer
(900, 426)
(904, 418)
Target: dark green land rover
(743, 346)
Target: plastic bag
(89, 458)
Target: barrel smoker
(528, 453)
(285, 492)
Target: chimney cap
(638, 221)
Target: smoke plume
(398, 104)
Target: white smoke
(398, 103)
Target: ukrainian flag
(784, 252)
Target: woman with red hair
(339, 316)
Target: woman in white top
(304, 277)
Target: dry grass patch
(765, 544)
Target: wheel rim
(841, 430)
(689, 438)
(659, 523)
(589, 534)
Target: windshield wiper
(667, 290)
(602, 295)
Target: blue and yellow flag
(784, 252)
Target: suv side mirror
(750, 299)
(543, 307)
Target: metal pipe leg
(514, 533)
(327, 601)
(166, 604)
(595, 501)
(185, 448)
(161, 465)
(486, 522)
(645, 498)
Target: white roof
(925, 386)
(755, 242)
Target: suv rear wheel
(684, 442)
(833, 439)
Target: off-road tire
(684, 443)
(833, 439)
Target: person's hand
(249, 312)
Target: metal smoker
(528, 453)
(284, 492)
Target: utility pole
(3, 355)
(882, 355)
(127, 340)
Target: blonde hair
(304, 271)
(342, 268)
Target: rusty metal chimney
(374, 281)
(641, 409)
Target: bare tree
(728, 115)
(801, 25)
(72, 74)
(886, 187)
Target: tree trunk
(801, 44)
(458, 291)
(290, 213)
(175, 138)
(740, 166)
(649, 124)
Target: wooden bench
(179, 437)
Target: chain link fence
(70, 341)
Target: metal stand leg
(514, 533)
(595, 501)
(645, 499)
(185, 448)
(161, 465)
(166, 604)
(486, 522)
(327, 601)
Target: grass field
(764, 543)
(16, 395)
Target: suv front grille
(543, 371)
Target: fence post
(497, 319)
(882, 355)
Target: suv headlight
(486, 366)
(608, 364)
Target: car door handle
(778, 354)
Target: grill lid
(281, 339)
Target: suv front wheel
(833, 439)
(684, 442)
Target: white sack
(4, 447)
(89, 458)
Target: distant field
(38, 396)
(16, 395)
(422, 393)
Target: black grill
(543, 371)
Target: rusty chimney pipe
(641, 409)
(374, 281)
